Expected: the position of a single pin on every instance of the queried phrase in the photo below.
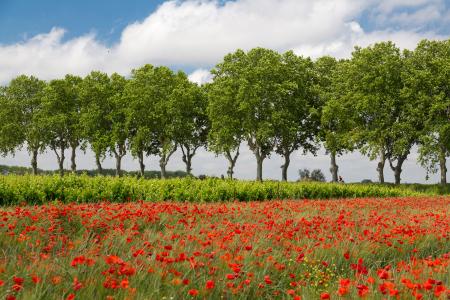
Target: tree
(140, 94)
(189, 117)
(75, 128)
(95, 91)
(117, 117)
(10, 130)
(388, 119)
(304, 174)
(226, 132)
(151, 96)
(427, 78)
(60, 116)
(256, 76)
(55, 116)
(336, 121)
(25, 94)
(296, 118)
(315, 175)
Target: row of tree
(381, 101)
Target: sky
(50, 38)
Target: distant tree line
(382, 101)
(148, 174)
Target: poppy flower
(210, 284)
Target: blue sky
(20, 19)
(49, 39)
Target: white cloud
(46, 56)
(201, 76)
(197, 33)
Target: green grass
(15, 189)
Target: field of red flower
(297, 249)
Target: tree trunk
(231, 162)
(73, 165)
(397, 173)
(98, 163)
(442, 165)
(164, 160)
(61, 162)
(187, 157)
(284, 167)
(380, 167)
(188, 165)
(259, 166)
(334, 167)
(34, 155)
(118, 165)
(162, 165)
(141, 164)
(398, 168)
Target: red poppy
(210, 284)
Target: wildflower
(18, 280)
(347, 255)
(124, 283)
(79, 260)
(35, 279)
(363, 290)
(290, 292)
(76, 284)
(439, 290)
(210, 284)
(70, 297)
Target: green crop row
(29, 189)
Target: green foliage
(189, 118)
(95, 91)
(24, 95)
(226, 131)
(427, 78)
(10, 134)
(140, 93)
(269, 93)
(60, 116)
(389, 117)
(152, 101)
(41, 189)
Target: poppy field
(391, 248)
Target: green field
(29, 189)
